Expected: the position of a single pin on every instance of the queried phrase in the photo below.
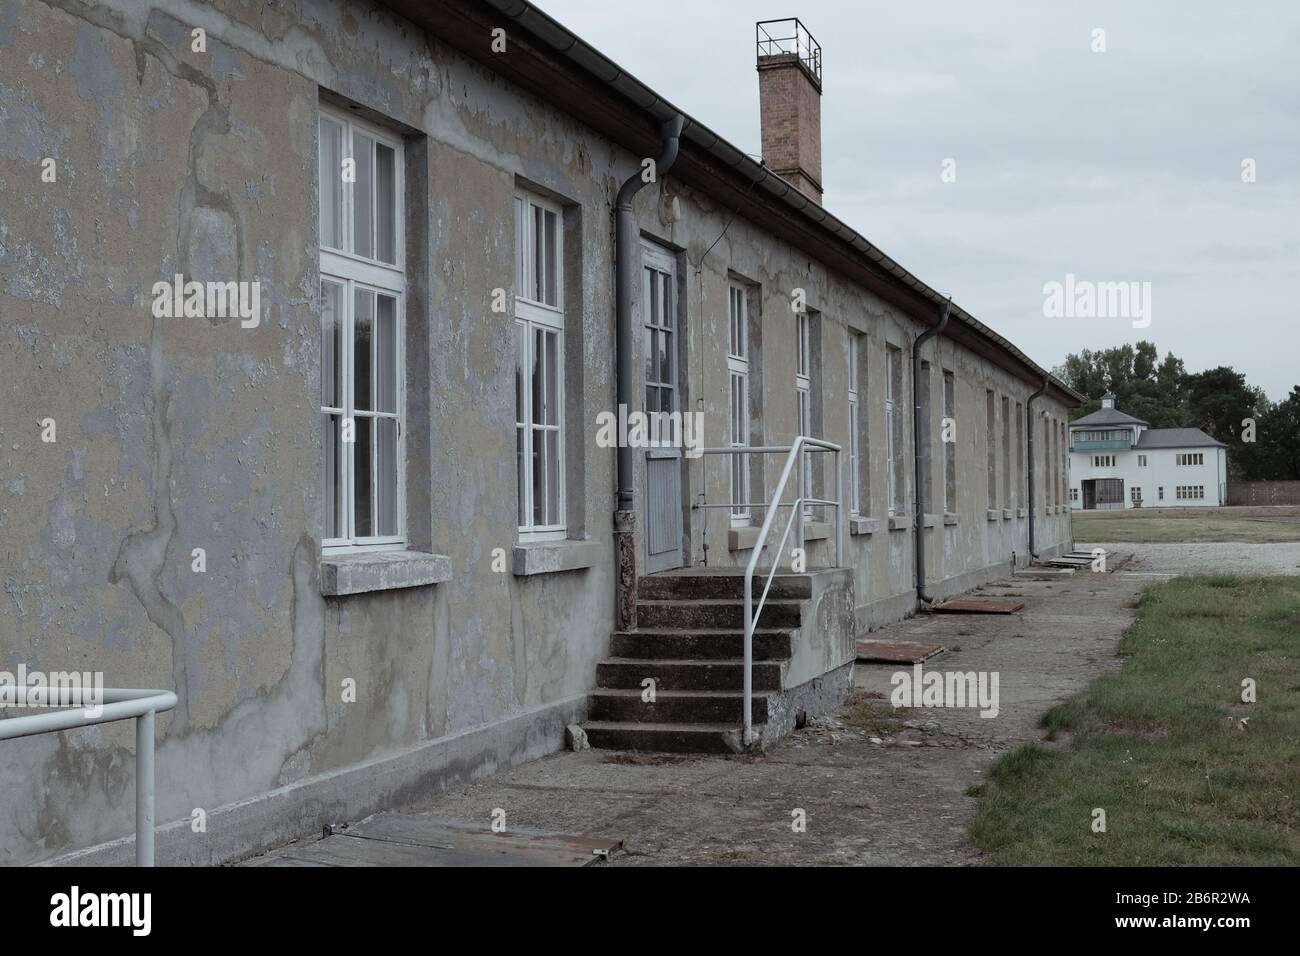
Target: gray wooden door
(663, 460)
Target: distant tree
(1275, 453)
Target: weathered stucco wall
(175, 434)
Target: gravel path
(1206, 558)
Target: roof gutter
(917, 426)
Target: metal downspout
(625, 238)
(1029, 472)
(919, 521)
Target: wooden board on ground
(403, 839)
(878, 652)
(978, 605)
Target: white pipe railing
(795, 453)
(102, 706)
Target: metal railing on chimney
(789, 37)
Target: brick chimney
(790, 103)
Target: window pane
(363, 148)
(552, 416)
(521, 370)
(539, 479)
(539, 399)
(331, 351)
(667, 300)
(385, 204)
(386, 354)
(385, 476)
(363, 323)
(361, 471)
(647, 311)
(552, 477)
(538, 244)
(665, 369)
(648, 350)
(332, 451)
(330, 172)
(552, 255)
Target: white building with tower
(1119, 461)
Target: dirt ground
(874, 789)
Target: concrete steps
(629, 673)
(690, 641)
(696, 587)
(681, 706)
(664, 738)
(697, 644)
(710, 613)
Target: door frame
(660, 258)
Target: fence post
(144, 789)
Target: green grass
(1248, 525)
(1159, 745)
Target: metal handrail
(794, 453)
(108, 705)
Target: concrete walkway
(901, 800)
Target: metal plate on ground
(878, 652)
(402, 839)
(986, 605)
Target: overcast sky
(1122, 165)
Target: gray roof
(1177, 438)
(1107, 416)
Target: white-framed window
(363, 286)
(1074, 494)
(893, 385)
(1196, 458)
(1135, 494)
(1103, 461)
(738, 392)
(1142, 461)
(539, 367)
(855, 505)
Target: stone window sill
(949, 518)
(928, 521)
(553, 557)
(900, 522)
(365, 571)
(861, 525)
(1020, 512)
(993, 514)
(1007, 514)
